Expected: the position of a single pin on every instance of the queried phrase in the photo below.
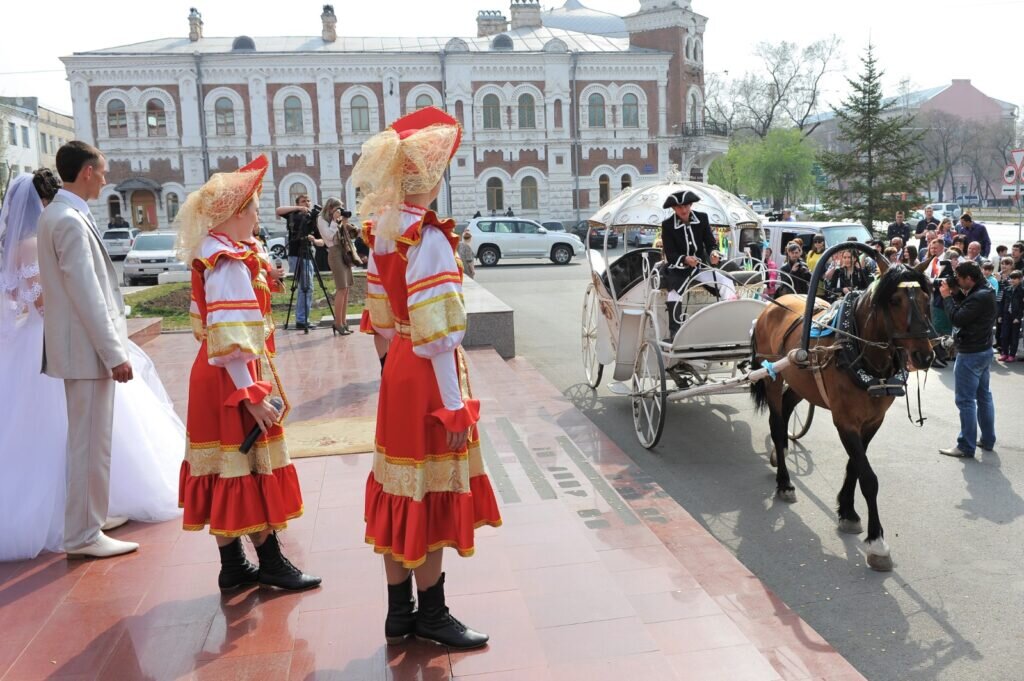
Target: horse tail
(758, 389)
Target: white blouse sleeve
(234, 322)
(437, 313)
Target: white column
(260, 133)
(662, 107)
(189, 103)
(84, 116)
(330, 167)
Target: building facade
(31, 135)
(55, 129)
(556, 120)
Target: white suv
(501, 237)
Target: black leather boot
(435, 623)
(673, 322)
(401, 621)
(276, 570)
(235, 568)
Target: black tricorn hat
(680, 198)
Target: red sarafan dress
(420, 496)
(233, 493)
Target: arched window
(630, 111)
(604, 189)
(689, 49)
(492, 112)
(528, 193)
(423, 101)
(156, 119)
(117, 119)
(360, 108)
(460, 110)
(695, 116)
(527, 112)
(172, 207)
(224, 113)
(627, 182)
(495, 194)
(292, 115)
(295, 191)
(113, 206)
(595, 103)
(558, 113)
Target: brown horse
(894, 318)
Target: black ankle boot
(276, 570)
(401, 621)
(435, 623)
(235, 568)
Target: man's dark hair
(969, 270)
(1019, 246)
(74, 156)
(966, 217)
(46, 183)
(1016, 274)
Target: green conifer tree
(872, 174)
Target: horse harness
(850, 350)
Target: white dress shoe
(113, 522)
(103, 547)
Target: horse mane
(887, 285)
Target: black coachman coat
(695, 238)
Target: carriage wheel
(591, 318)
(648, 389)
(800, 421)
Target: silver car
(119, 241)
(151, 254)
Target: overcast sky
(928, 42)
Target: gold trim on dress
(414, 479)
(215, 458)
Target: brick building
(557, 118)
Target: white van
(779, 234)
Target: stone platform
(596, 574)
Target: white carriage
(625, 317)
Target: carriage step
(619, 388)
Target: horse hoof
(788, 495)
(880, 563)
(850, 526)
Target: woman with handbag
(341, 257)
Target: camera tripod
(305, 258)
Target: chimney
(330, 33)
(490, 22)
(195, 24)
(525, 14)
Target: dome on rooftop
(574, 16)
(243, 42)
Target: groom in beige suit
(85, 342)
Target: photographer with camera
(301, 220)
(973, 313)
(336, 232)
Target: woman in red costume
(428, 489)
(231, 385)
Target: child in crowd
(1010, 313)
(988, 269)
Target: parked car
(758, 207)
(119, 241)
(151, 254)
(641, 237)
(595, 237)
(502, 237)
(946, 210)
(969, 200)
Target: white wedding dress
(147, 446)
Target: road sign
(1011, 189)
(1017, 156)
(1010, 174)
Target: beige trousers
(90, 422)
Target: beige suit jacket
(84, 330)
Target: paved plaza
(596, 574)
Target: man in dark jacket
(687, 241)
(975, 231)
(929, 223)
(898, 228)
(973, 313)
(685, 234)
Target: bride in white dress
(148, 437)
